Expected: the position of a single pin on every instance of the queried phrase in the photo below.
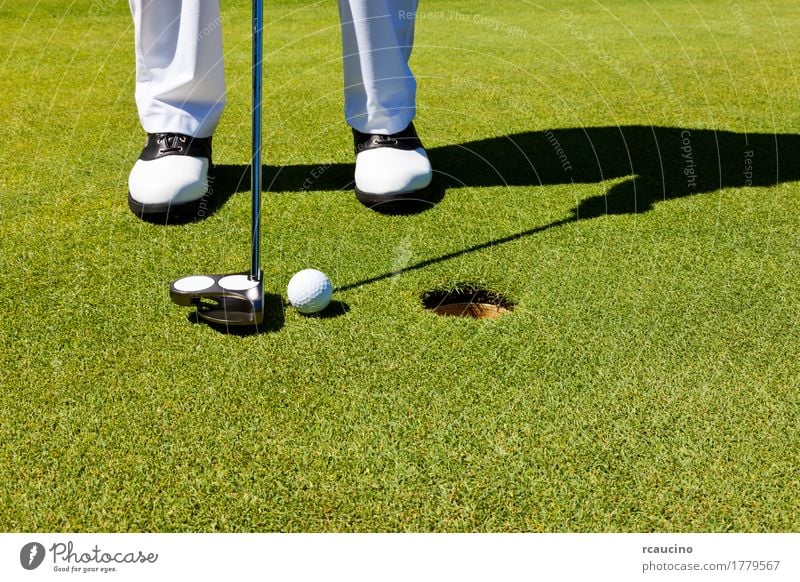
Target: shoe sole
(411, 202)
(167, 213)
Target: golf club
(236, 299)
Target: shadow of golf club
(454, 254)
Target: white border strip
(401, 557)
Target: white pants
(180, 81)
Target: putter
(236, 299)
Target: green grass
(647, 379)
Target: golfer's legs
(180, 83)
(379, 88)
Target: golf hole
(467, 300)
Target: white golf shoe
(170, 180)
(390, 168)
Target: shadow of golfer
(660, 164)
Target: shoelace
(171, 141)
(387, 140)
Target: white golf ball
(309, 291)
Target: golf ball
(310, 291)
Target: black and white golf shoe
(169, 183)
(390, 168)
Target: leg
(380, 98)
(379, 88)
(180, 80)
(180, 96)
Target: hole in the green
(467, 300)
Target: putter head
(230, 300)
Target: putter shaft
(255, 162)
(236, 299)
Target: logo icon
(32, 555)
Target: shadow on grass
(333, 310)
(274, 319)
(231, 179)
(660, 163)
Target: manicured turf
(647, 379)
